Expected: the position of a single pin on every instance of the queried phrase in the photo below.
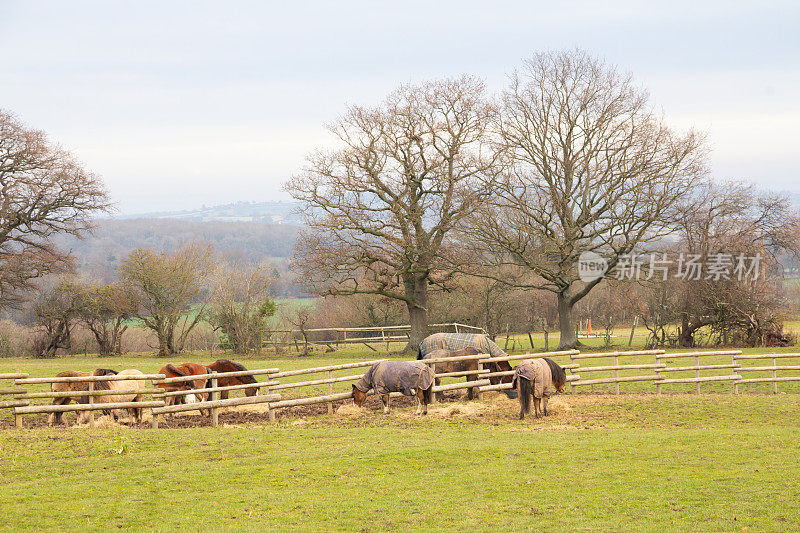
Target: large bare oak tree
(381, 204)
(593, 169)
(44, 191)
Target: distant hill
(262, 212)
(98, 256)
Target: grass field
(600, 462)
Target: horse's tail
(524, 387)
(420, 355)
(427, 395)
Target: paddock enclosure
(281, 391)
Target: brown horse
(455, 366)
(224, 365)
(481, 343)
(78, 386)
(186, 369)
(127, 384)
(538, 378)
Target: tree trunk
(566, 323)
(417, 288)
(686, 335)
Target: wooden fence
(697, 367)
(214, 403)
(309, 390)
(367, 335)
(617, 367)
(774, 369)
(91, 394)
(16, 402)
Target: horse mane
(559, 374)
(234, 364)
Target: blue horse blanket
(407, 377)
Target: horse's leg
(536, 406)
(440, 394)
(418, 395)
(544, 405)
(57, 418)
(385, 401)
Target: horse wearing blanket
(454, 342)
(538, 378)
(411, 378)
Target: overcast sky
(178, 104)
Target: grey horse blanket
(459, 341)
(393, 376)
(537, 371)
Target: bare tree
(44, 191)
(55, 312)
(240, 303)
(170, 291)
(734, 220)
(381, 205)
(105, 309)
(593, 169)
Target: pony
(186, 369)
(537, 378)
(78, 386)
(127, 384)
(481, 343)
(455, 366)
(224, 365)
(411, 378)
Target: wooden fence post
(330, 391)
(774, 377)
(697, 373)
(733, 371)
(658, 384)
(214, 396)
(478, 394)
(616, 375)
(91, 401)
(433, 367)
(270, 410)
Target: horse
(126, 384)
(411, 378)
(455, 366)
(186, 369)
(224, 365)
(481, 343)
(537, 378)
(77, 386)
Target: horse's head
(358, 396)
(244, 380)
(559, 375)
(502, 366)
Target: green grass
(678, 462)
(603, 462)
